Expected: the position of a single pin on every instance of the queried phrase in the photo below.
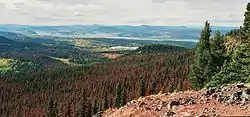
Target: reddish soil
(154, 106)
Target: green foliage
(237, 67)
(142, 88)
(118, 98)
(85, 108)
(5, 64)
(95, 107)
(218, 51)
(245, 30)
(201, 69)
(235, 70)
(106, 102)
(152, 88)
(52, 110)
(19, 68)
(234, 33)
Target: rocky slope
(230, 100)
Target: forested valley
(32, 89)
(85, 90)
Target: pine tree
(152, 88)
(95, 107)
(118, 98)
(52, 109)
(85, 108)
(237, 68)
(81, 112)
(123, 98)
(19, 112)
(245, 34)
(142, 88)
(106, 102)
(201, 69)
(218, 51)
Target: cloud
(131, 12)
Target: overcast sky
(119, 12)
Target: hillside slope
(231, 100)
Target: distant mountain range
(123, 31)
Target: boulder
(240, 85)
(169, 114)
(173, 103)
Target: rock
(187, 100)
(159, 107)
(240, 85)
(173, 103)
(147, 108)
(247, 91)
(208, 113)
(98, 114)
(219, 99)
(140, 104)
(235, 96)
(169, 114)
(209, 91)
(214, 96)
(245, 96)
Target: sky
(123, 12)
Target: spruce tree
(85, 109)
(142, 88)
(152, 88)
(201, 69)
(245, 34)
(123, 98)
(106, 102)
(52, 109)
(218, 51)
(95, 107)
(118, 98)
(237, 68)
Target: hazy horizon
(190, 26)
(123, 12)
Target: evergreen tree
(85, 108)
(142, 88)
(19, 112)
(81, 112)
(95, 107)
(118, 98)
(201, 69)
(237, 68)
(123, 98)
(245, 34)
(218, 51)
(52, 109)
(152, 88)
(106, 102)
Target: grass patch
(66, 61)
(5, 64)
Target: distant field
(66, 61)
(4, 64)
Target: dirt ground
(156, 106)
